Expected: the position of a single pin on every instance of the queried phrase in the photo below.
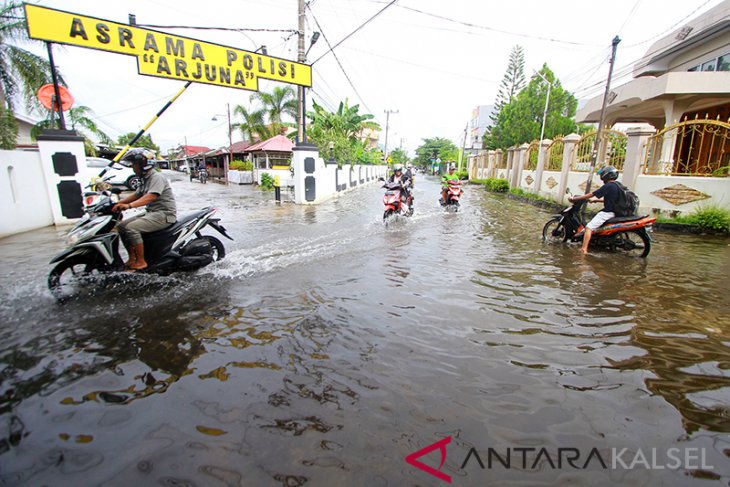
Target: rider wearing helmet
(156, 194)
(449, 176)
(404, 179)
(607, 194)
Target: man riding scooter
(450, 176)
(404, 180)
(607, 194)
(155, 193)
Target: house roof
(278, 143)
(240, 146)
(191, 150)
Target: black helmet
(608, 173)
(144, 157)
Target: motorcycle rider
(404, 180)
(449, 176)
(607, 194)
(155, 193)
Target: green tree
(512, 82)
(281, 101)
(253, 127)
(144, 141)
(520, 121)
(435, 148)
(338, 134)
(21, 72)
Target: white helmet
(145, 157)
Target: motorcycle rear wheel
(73, 277)
(203, 178)
(553, 231)
(634, 243)
(219, 251)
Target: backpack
(627, 203)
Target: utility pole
(463, 147)
(300, 89)
(387, 123)
(544, 118)
(230, 144)
(597, 143)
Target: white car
(121, 175)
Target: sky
(428, 62)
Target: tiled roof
(277, 143)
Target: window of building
(709, 65)
(694, 68)
(723, 62)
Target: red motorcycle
(395, 201)
(626, 234)
(453, 193)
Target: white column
(65, 172)
(635, 153)
(569, 142)
(541, 161)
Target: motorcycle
(200, 174)
(93, 249)
(627, 234)
(453, 193)
(394, 201)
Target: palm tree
(253, 126)
(282, 101)
(21, 72)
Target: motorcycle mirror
(567, 191)
(116, 191)
(381, 179)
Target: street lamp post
(544, 117)
(228, 161)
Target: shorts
(600, 218)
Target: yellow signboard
(165, 55)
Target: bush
(706, 217)
(496, 185)
(267, 181)
(239, 165)
(462, 174)
(711, 218)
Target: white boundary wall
(24, 200)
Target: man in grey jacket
(156, 194)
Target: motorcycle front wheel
(74, 277)
(634, 243)
(387, 214)
(553, 231)
(203, 178)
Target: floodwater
(327, 347)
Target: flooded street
(327, 347)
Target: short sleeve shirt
(609, 193)
(154, 182)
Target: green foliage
(239, 165)
(496, 185)
(435, 148)
(463, 174)
(521, 120)
(399, 156)
(21, 71)
(76, 119)
(337, 134)
(707, 217)
(8, 129)
(144, 141)
(267, 181)
(528, 195)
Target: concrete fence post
(569, 143)
(541, 162)
(517, 174)
(635, 153)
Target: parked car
(121, 175)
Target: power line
(338, 59)
(332, 48)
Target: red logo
(441, 446)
